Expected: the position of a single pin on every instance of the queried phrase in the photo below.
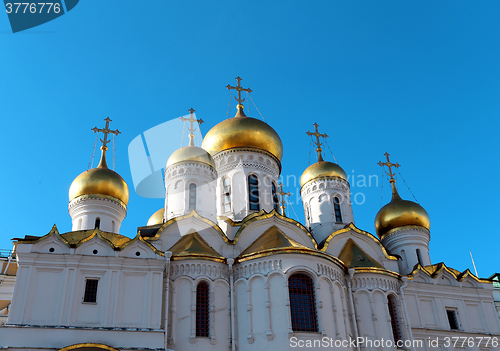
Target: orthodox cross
(239, 89)
(389, 164)
(317, 142)
(106, 131)
(282, 196)
(191, 127)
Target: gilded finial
(391, 174)
(191, 128)
(282, 198)
(104, 148)
(239, 89)
(317, 142)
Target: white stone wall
(318, 200)
(178, 178)
(85, 210)
(237, 164)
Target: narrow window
(276, 201)
(419, 257)
(396, 329)
(192, 196)
(79, 224)
(452, 319)
(253, 192)
(336, 206)
(97, 222)
(90, 294)
(403, 258)
(302, 304)
(226, 195)
(202, 309)
(113, 226)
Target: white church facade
(221, 267)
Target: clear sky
(418, 79)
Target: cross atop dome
(106, 131)
(389, 164)
(239, 89)
(191, 127)
(317, 142)
(282, 198)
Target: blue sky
(418, 79)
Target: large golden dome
(398, 213)
(100, 180)
(242, 131)
(322, 169)
(157, 217)
(190, 154)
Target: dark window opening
(276, 201)
(396, 330)
(97, 223)
(253, 192)
(192, 196)
(336, 207)
(226, 194)
(302, 303)
(452, 319)
(202, 309)
(90, 294)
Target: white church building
(221, 267)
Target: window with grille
(336, 207)
(226, 195)
(90, 294)
(396, 330)
(302, 303)
(452, 319)
(253, 192)
(202, 309)
(276, 201)
(192, 196)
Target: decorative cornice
(434, 270)
(96, 197)
(403, 229)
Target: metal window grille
(226, 194)
(302, 303)
(396, 330)
(452, 319)
(90, 294)
(192, 196)
(202, 309)
(336, 206)
(253, 192)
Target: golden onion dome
(157, 217)
(100, 180)
(243, 131)
(322, 169)
(398, 213)
(190, 154)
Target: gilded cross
(317, 142)
(389, 164)
(106, 131)
(191, 127)
(239, 89)
(282, 196)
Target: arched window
(253, 192)
(79, 224)
(192, 196)
(113, 226)
(97, 223)
(202, 309)
(419, 257)
(336, 207)
(396, 329)
(276, 201)
(226, 195)
(302, 303)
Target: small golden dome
(398, 213)
(242, 131)
(322, 169)
(100, 180)
(157, 217)
(190, 154)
